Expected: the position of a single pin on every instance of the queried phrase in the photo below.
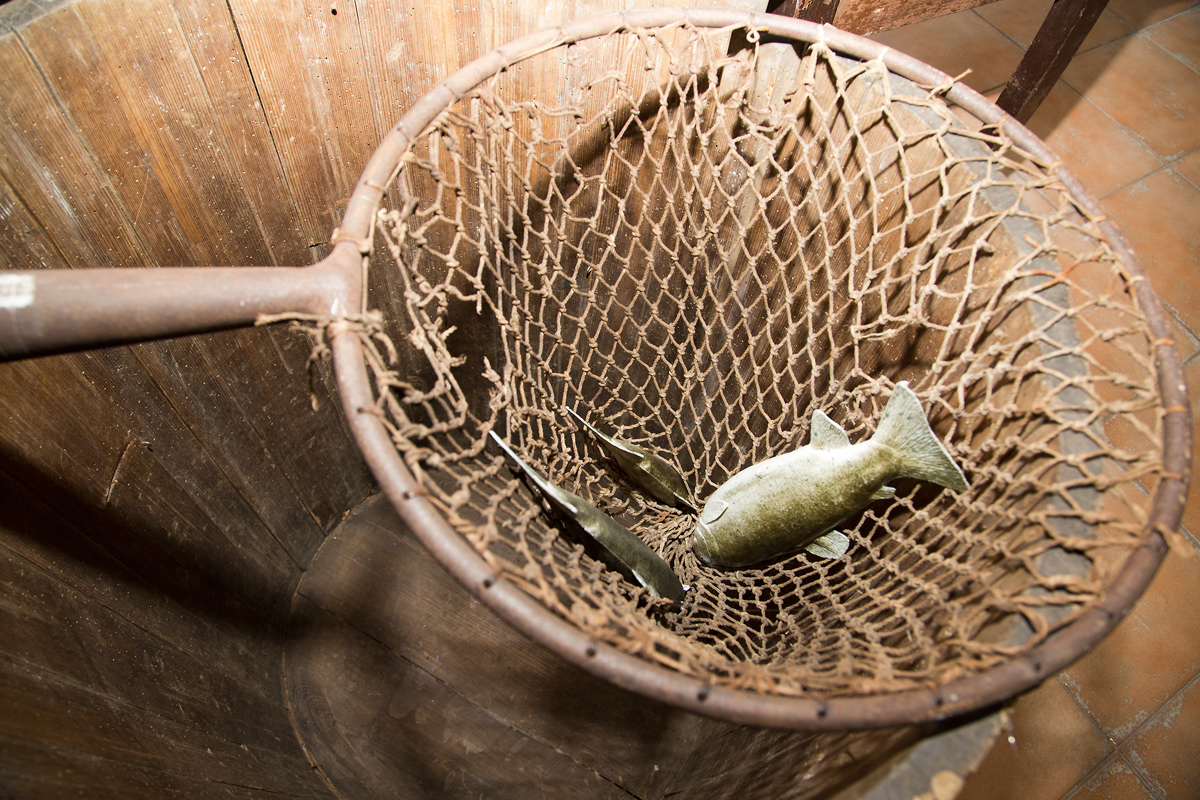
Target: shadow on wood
(401, 684)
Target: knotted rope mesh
(695, 246)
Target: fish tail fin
(905, 429)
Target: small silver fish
(653, 474)
(620, 548)
(794, 500)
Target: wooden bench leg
(1064, 29)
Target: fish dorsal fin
(611, 442)
(832, 545)
(827, 434)
(566, 501)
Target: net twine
(695, 250)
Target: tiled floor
(1123, 723)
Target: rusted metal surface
(76, 309)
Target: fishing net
(695, 246)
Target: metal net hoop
(703, 242)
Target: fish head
(703, 542)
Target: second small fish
(651, 473)
(620, 548)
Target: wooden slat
(85, 438)
(40, 616)
(238, 111)
(203, 573)
(814, 10)
(30, 770)
(26, 244)
(115, 368)
(241, 649)
(50, 171)
(372, 574)
(171, 100)
(43, 710)
(409, 48)
(871, 16)
(308, 67)
(189, 374)
(379, 726)
(265, 373)
(132, 88)
(760, 764)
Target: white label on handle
(16, 291)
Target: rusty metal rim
(979, 690)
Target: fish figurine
(795, 500)
(620, 548)
(651, 473)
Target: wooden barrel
(193, 599)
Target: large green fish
(651, 473)
(795, 500)
(620, 548)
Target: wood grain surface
(383, 641)
(159, 504)
(179, 487)
(871, 16)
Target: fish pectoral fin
(608, 441)
(713, 510)
(827, 434)
(568, 501)
(884, 493)
(832, 545)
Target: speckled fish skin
(627, 554)
(651, 473)
(795, 500)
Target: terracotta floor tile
(1189, 167)
(1056, 745)
(956, 43)
(1144, 88)
(1114, 780)
(1021, 19)
(1101, 153)
(1150, 655)
(1157, 216)
(1140, 13)
(1133, 140)
(1165, 751)
(1179, 36)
